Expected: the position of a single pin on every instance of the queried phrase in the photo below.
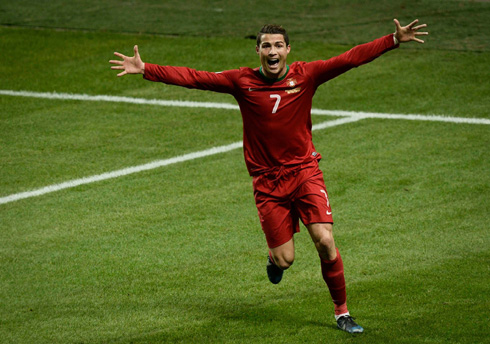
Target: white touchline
(178, 103)
(347, 117)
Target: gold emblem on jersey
(294, 90)
(291, 82)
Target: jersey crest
(292, 82)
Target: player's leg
(280, 239)
(333, 274)
(314, 207)
(283, 255)
(279, 223)
(280, 258)
(322, 236)
(316, 213)
(331, 263)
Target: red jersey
(276, 113)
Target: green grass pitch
(176, 254)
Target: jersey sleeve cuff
(395, 40)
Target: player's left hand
(410, 32)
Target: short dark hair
(272, 29)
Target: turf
(458, 24)
(176, 254)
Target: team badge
(292, 82)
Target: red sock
(272, 259)
(333, 275)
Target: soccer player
(275, 102)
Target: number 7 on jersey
(278, 100)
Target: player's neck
(269, 79)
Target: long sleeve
(182, 76)
(323, 71)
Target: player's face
(273, 52)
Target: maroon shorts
(285, 197)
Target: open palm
(410, 32)
(129, 65)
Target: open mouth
(273, 63)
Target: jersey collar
(273, 80)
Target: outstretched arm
(179, 76)
(410, 32)
(129, 65)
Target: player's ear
(257, 49)
(289, 49)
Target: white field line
(117, 99)
(178, 103)
(120, 173)
(412, 117)
(150, 166)
(348, 117)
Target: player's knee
(285, 264)
(325, 242)
(284, 261)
